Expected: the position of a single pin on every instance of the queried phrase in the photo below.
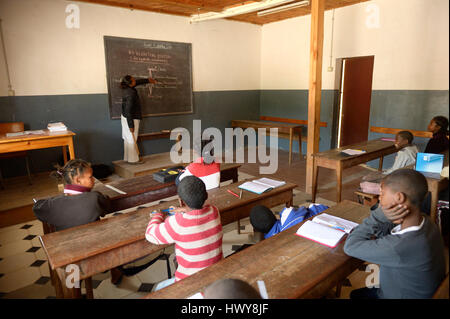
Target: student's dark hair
(409, 182)
(406, 135)
(125, 81)
(72, 168)
(262, 218)
(442, 121)
(230, 288)
(192, 192)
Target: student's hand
(132, 129)
(396, 213)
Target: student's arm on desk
(158, 229)
(381, 250)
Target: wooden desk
(289, 265)
(114, 241)
(284, 130)
(144, 189)
(333, 159)
(33, 142)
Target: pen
(232, 193)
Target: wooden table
(285, 130)
(35, 141)
(289, 265)
(333, 159)
(144, 189)
(114, 241)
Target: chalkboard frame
(189, 108)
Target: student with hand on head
(230, 288)
(407, 152)
(265, 222)
(131, 116)
(204, 167)
(78, 205)
(195, 228)
(439, 142)
(403, 241)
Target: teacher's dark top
(131, 106)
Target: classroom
(330, 75)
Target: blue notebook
(430, 165)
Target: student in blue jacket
(264, 221)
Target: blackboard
(168, 62)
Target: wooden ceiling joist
(191, 7)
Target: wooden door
(355, 97)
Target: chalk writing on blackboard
(170, 63)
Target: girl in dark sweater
(78, 205)
(439, 142)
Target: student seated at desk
(439, 142)
(264, 221)
(78, 205)
(195, 229)
(204, 167)
(407, 152)
(403, 241)
(406, 155)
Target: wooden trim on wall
(388, 130)
(285, 120)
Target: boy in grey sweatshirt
(404, 242)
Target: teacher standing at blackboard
(131, 116)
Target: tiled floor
(24, 271)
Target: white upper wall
(47, 58)
(411, 45)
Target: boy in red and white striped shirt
(196, 232)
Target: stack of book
(56, 127)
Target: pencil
(232, 193)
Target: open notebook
(326, 229)
(261, 185)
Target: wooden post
(315, 86)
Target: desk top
(78, 243)
(289, 265)
(27, 137)
(260, 123)
(371, 146)
(141, 184)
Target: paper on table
(334, 221)
(349, 151)
(322, 234)
(115, 189)
(269, 182)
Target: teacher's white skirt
(129, 149)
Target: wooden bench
(289, 265)
(114, 241)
